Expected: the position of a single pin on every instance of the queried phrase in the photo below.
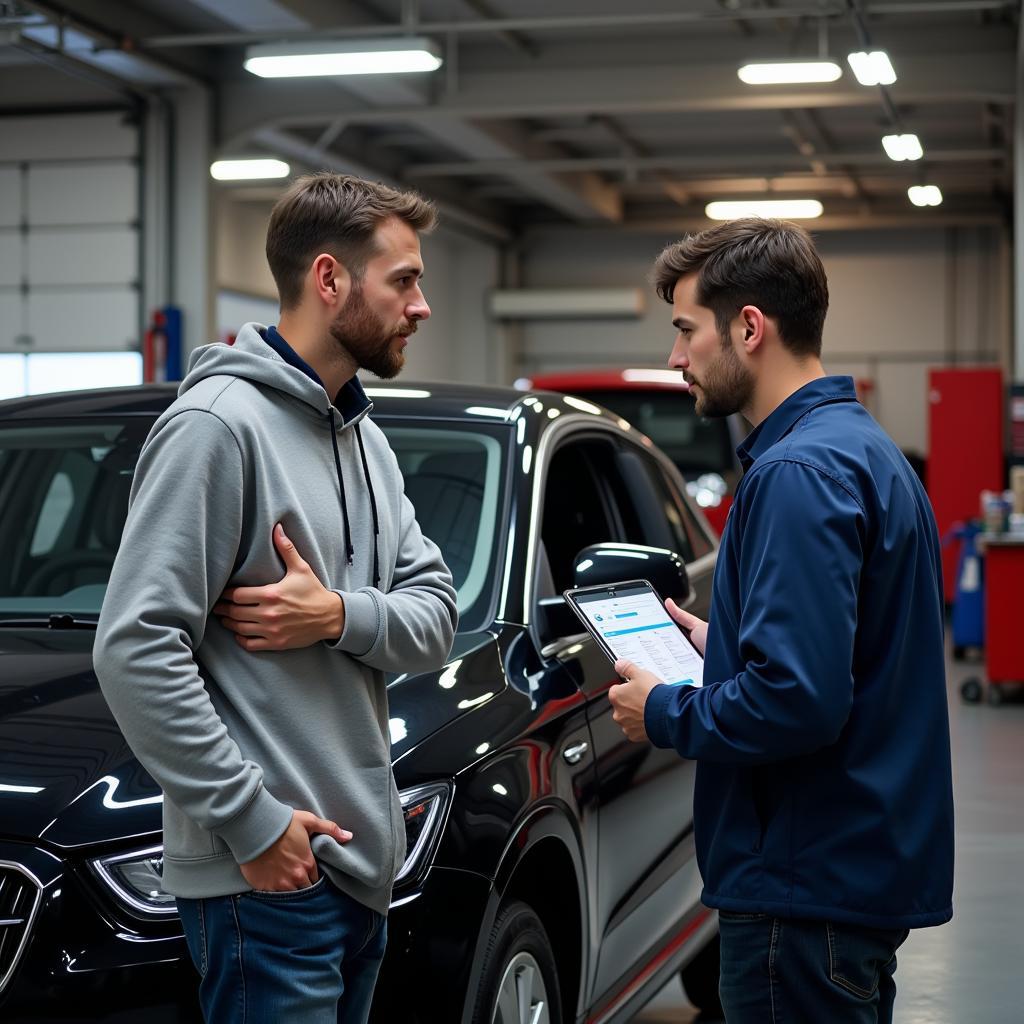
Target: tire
(518, 958)
(995, 695)
(959, 652)
(971, 691)
(700, 980)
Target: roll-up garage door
(69, 233)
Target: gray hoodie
(238, 739)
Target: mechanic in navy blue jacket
(823, 810)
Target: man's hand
(289, 864)
(297, 611)
(697, 628)
(629, 698)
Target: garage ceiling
(621, 113)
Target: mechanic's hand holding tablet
(631, 623)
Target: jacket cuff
(656, 715)
(257, 828)
(362, 628)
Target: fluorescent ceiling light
(790, 72)
(902, 147)
(786, 209)
(925, 195)
(872, 68)
(360, 57)
(248, 170)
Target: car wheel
(700, 980)
(518, 979)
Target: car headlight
(136, 880)
(424, 809)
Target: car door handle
(574, 754)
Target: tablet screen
(634, 624)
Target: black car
(550, 861)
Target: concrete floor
(968, 971)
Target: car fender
(547, 822)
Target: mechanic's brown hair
(337, 214)
(771, 264)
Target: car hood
(68, 778)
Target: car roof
(625, 379)
(427, 399)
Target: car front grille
(20, 893)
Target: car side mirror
(602, 564)
(612, 563)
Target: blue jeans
(781, 971)
(304, 957)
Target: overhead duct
(566, 303)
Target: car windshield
(64, 495)
(696, 445)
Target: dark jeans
(780, 971)
(305, 957)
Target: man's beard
(727, 386)
(368, 339)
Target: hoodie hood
(252, 358)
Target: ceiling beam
(312, 158)
(577, 23)
(672, 89)
(724, 163)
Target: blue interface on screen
(635, 625)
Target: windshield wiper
(57, 620)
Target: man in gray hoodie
(260, 709)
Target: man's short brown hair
(336, 214)
(771, 264)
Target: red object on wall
(1004, 612)
(965, 449)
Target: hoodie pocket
(363, 806)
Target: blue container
(969, 594)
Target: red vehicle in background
(657, 403)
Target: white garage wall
(900, 302)
(69, 233)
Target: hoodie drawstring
(373, 507)
(349, 550)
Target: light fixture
(902, 147)
(337, 57)
(790, 72)
(872, 68)
(248, 170)
(925, 195)
(786, 209)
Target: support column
(190, 239)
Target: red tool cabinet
(1004, 613)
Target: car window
(63, 500)
(454, 479)
(695, 444)
(657, 519)
(578, 509)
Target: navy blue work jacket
(824, 786)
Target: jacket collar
(785, 417)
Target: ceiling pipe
(576, 22)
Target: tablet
(629, 620)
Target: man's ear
(331, 281)
(752, 325)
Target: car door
(645, 848)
